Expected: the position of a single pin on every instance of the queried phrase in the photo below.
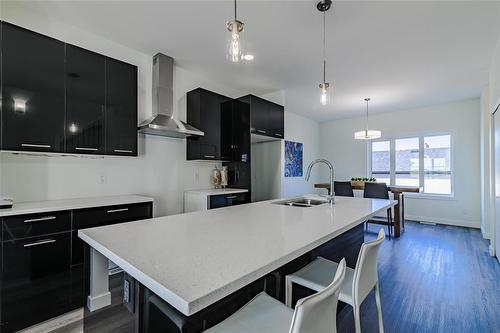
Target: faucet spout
(331, 192)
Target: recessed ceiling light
(248, 57)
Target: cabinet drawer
(36, 282)
(94, 217)
(225, 200)
(31, 225)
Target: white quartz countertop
(67, 204)
(193, 260)
(217, 191)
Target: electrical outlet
(102, 178)
(196, 176)
(126, 291)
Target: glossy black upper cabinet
(32, 91)
(276, 114)
(266, 117)
(121, 108)
(204, 112)
(235, 131)
(85, 101)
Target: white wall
(494, 77)
(266, 165)
(160, 171)
(487, 176)
(494, 98)
(461, 119)
(306, 131)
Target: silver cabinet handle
(209, 156)
(231, 197)
(85, 148)
(277, 134)
(45, 241)
(46, 218)
(35, 146)
(122, 151)
(117, 210)
(261, 131)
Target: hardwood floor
(433, 279)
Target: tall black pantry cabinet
(235, 132)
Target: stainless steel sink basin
(301, 202)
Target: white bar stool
(358, 283)
(264, 314)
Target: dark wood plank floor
(433, 279)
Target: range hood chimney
(162, 122)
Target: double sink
(301, 202)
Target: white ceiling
(402, 54)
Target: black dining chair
(379, 191)
(343, 189)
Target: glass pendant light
(367, 134)
(324, 99)
(235, 43)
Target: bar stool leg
(389, 218)
(357, 320)
(379, 309)
(288, 292)
(403, 210)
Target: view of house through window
(407, 161)
(437, 164)
(423, 161)
(381, 161)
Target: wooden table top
(394, 189)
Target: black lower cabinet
(226, 200)
(36, 282)
(43, 271)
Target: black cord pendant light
(323, 6)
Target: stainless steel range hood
(162, 122)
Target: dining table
(398, 193)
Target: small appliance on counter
(6, 203)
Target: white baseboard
(440, 220)
(486, 235)
(98, 302)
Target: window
(381, 157)
(407, 162)
(437, 166)
(423, 161)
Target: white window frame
(421, 172)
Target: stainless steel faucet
(331, 193)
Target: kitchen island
(194, 261)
